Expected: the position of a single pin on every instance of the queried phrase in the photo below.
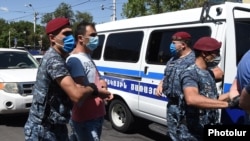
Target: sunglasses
(93, 34)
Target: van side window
(96, 54)
(123, 47)
(159, 41)
(242, 35)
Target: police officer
(55, 89)
(183, 56)
(193, 100)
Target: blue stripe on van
(152, 75)
(229, 116)
(132, 87)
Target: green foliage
(64, 10)
(82, 16)
(23, 31)
(194, 3)
(79, 16)
(135, 8)
(46, 18)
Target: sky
(16, 10)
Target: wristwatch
(94, 87)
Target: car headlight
(9, 87)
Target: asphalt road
(11, 129)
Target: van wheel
(120, 116)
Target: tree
(63, 10)
(46, 18)
(136, 8)
(193, 4)
(3, 33)
(169, 5)
(80, 16)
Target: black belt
(51, 126)
(173, 101)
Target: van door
(157, 54)
(121, 64)
(237, 41)
(152, 106)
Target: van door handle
(145, 69)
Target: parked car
(21, 48)
(18, 70)
(38, 57)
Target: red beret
(56, 24)
(207, 44)
(181, 36)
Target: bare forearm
(224, 97)
(206, 103)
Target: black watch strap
(94, 87)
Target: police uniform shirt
(50, 109)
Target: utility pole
(9, 39)
(35, 18)
(113, 8)
(35, 14)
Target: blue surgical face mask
(68, 43)
(172, 49)
(93, 43)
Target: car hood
(18, 75)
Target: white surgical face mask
(93, 43)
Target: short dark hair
(81, 28)
(188, 42)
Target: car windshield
(17, 60)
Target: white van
(133, 53)
(17, 76)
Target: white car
(18, 70)
(38, 57)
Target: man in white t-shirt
(87, 117)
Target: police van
(132, 55)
